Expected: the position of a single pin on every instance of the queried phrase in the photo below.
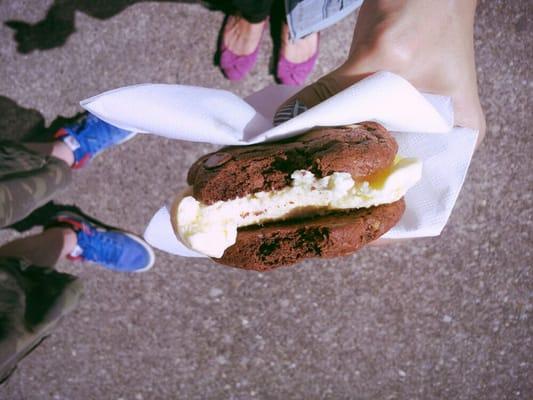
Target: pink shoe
(290, 73)
(234, 66)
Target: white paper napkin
(421, 123)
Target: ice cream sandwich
(325, 193)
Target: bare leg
(300, 50)
(57, 149)
(242, 37)
(44, 249)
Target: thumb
(308, 97)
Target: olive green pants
(32, 298)
(27, 181)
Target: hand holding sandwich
(428, 42)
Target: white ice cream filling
(211, 229)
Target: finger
(308, 97)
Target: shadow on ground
(26, 124)
(59, 23)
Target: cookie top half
(360, 150)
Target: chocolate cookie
(232, 172)
(272, 245)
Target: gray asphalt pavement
(439, 318)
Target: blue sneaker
(113, 249)
(90, 137)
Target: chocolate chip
(216, 160)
